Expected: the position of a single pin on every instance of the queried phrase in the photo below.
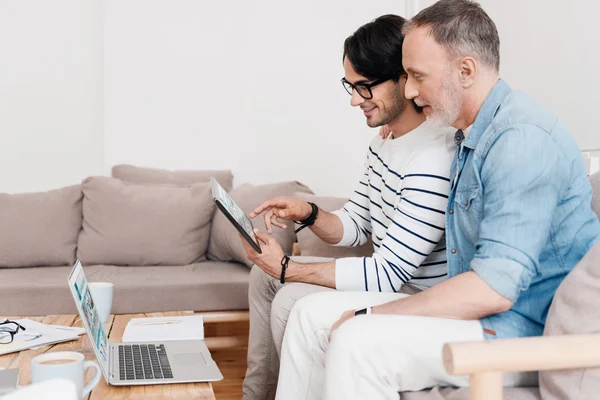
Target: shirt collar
(467, 131)
(487, 112)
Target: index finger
(274, 202)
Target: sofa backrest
(135, 174)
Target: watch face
(361, 311)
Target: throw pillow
(40, 228)
(138, 224)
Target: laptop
(140, 363)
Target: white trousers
(370, 357)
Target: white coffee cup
(67, 365)
(102, 294)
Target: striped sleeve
(355, 215)
(414, 229)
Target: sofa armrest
(524, 354)
(486, 361)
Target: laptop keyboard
(143, 361)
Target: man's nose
(410, 89)
(356, 99)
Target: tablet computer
(234, 214)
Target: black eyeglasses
(8, 330)
(363, 89)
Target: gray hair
(462, 28)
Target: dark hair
(462, 28)
(375, 49)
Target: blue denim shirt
(519, 211)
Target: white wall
(251, 86)
(550, 49)
(50, 93)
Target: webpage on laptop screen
(95, 327)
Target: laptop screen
(89, 315)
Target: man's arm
(269, 260)
(322, 274)
(328, 227)
(465, 296)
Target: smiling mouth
(368, 112)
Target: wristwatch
(363, 311)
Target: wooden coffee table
(115, 327)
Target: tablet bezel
(217, 199)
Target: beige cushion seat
(205, 286)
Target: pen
(156, 323)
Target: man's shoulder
(376, 142)
(519, 110)
(522, 122)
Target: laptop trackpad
(188, 359)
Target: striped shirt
(400, 202)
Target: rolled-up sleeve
(522, 177)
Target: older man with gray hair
(518, 220)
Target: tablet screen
(234, 210)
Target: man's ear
(468, 71)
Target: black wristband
(363, 311)
(284, 263)
(311, 218)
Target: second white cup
(102, 294)
(66, 365)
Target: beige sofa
(155, 234)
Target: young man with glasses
(399, 201)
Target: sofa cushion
(595, 181)
(40, 228)
(448, 393)
(311, 245)
(205, 286)
(225, 243)
(133, 174)
(574, 310)
(140, 224)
